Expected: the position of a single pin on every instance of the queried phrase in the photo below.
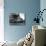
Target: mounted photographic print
(17, 19)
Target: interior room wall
(29, 8)
(43, 6)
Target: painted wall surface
(29, 8)
(43, 6)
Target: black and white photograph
(17, 19)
